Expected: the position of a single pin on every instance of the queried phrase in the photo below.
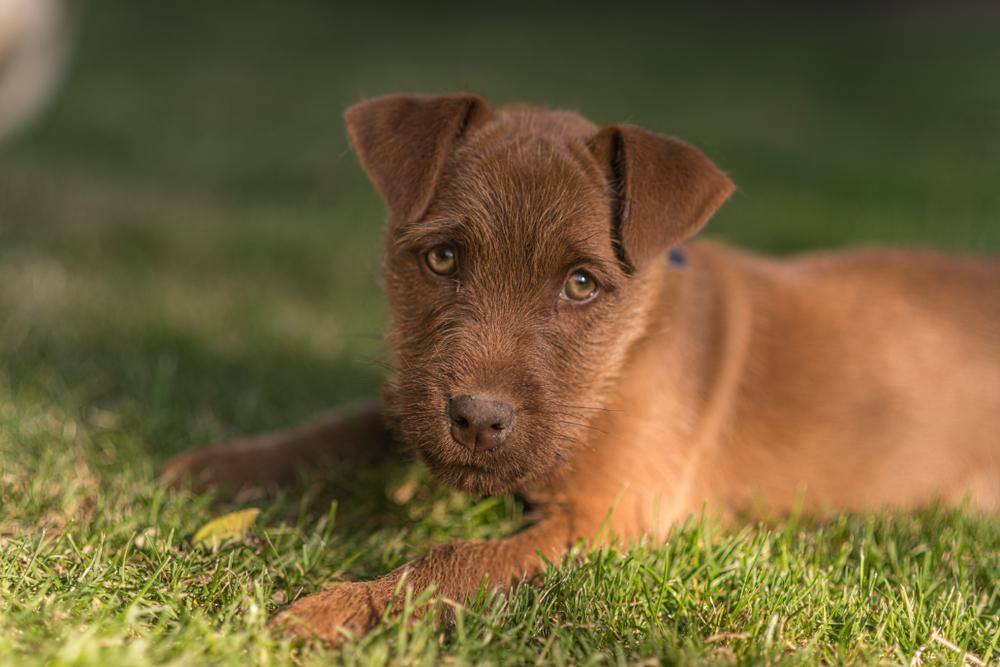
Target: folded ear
(663, 190)
(403, 142)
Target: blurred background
(188, 249)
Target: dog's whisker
(587, 407)
(587, 427)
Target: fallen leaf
(233, 525)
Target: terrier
(552, 337)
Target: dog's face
(517, 266)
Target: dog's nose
(479, 424)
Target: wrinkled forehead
(525, 196)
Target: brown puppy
(551, 339)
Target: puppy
(553, 338)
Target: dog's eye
(442, 260)
(580, 286)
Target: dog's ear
(662, 189)
(403, 142)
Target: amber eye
(580, 286)
(442, 260)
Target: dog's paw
(333, 615)
(230, 466)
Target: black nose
(479, 424)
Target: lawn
(188, 251)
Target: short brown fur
(854, 380)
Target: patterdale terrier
(553, 338)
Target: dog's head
(518, 257)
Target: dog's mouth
(485, 477)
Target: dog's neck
(691, 370)
(669, 286)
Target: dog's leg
(270, 459)
(455, 571)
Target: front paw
(351, 608)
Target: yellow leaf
(234, 524)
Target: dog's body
(551, 337)
(846, 381)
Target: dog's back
(874, 374)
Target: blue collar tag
(676, 258)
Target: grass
(187, 251)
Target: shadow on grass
(172, 391)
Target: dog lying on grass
(551, 337)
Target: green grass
(188, 251)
